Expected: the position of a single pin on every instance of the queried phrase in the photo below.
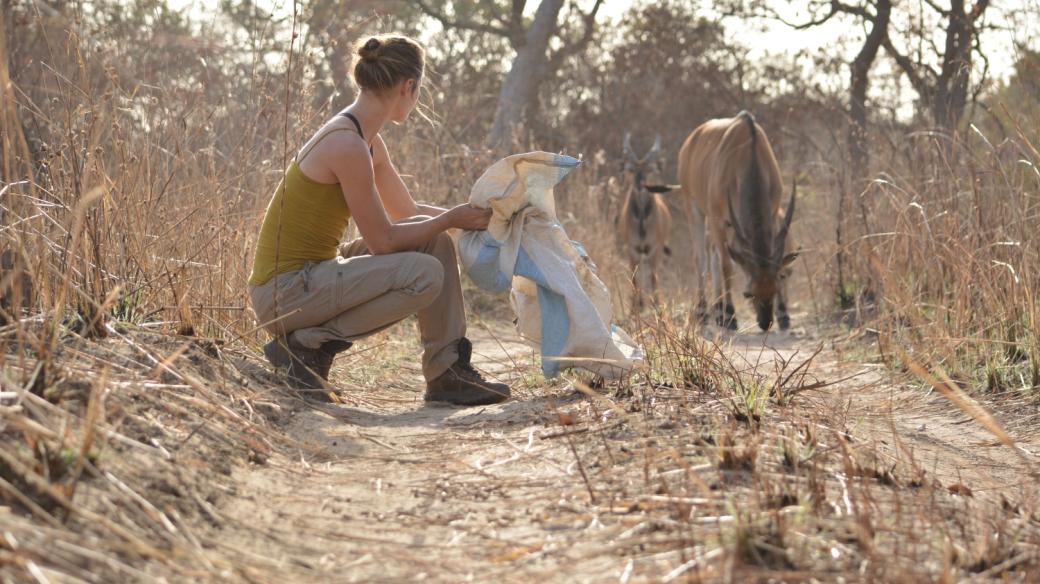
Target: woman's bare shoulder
(337, 133)
(332, 147)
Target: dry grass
(130, 467)
(949, 252)
(117, 465)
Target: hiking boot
(305, 368)
(462, 385)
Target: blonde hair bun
(387, 59)
(370, 50)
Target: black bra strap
(357, 125)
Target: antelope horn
(655, 150)
(627, 147)
(741, 238)
(781, 235)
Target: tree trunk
(528, 71)
(332, 35)
(16, 160)
(951, 95)
(946, 94)
(859, 152)
(951, 92)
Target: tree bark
(951, 95)
(945, 93)
(16, 159)
(859, 152)
(331, 34)
(526, 74)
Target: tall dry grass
(947, 247)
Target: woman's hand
(470, 218)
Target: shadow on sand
(332, 431)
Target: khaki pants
(358, 294)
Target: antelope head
(638, 171)
(761, 255)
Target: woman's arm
(431, 210)
(353, 168)
(392, 190)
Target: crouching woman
(318, 296)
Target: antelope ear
(662, 188)
(789, 258)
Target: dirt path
(903, 420)
(403, 491)
(394, 490)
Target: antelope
(732, 190)
(644, 219)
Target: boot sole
(491, 399)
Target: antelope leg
(637, 300)
(700, 247)
(783, 320)
(655, 260)
(729, 319)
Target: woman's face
(407, 96)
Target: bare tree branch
(517, 11)
(977, 11)
(814, 22)
(464, 24)
(860, 11)
(571, 49)
(859, 84)
(836, 7)
(977, 46)
(516, 23)
(937, 8)
(920, 84)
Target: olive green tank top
(304, 222)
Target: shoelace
(469, 372)
(464, 364)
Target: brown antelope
(732, 186)
(644, 219)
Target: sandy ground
(944, 440)
(396, 490)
